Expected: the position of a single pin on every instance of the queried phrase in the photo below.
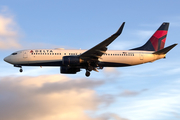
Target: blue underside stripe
(59, 63)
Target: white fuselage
(46, 57)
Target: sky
(149, 91)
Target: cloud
(129, 93)
(173, 71)
(111, 116)
(137, 39)
(153, 108)
(161, 102)
(111, 72)
(144, 34)
(49, 97)
(9, 31)
(123, 45)
(79, 84)
(176, 115)
(174, 20)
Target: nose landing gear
(21, 70)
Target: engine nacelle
(71, 61)
(69, 70)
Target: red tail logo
(158, 39)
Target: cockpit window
(14, 54)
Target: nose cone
(7, 59)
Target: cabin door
(141, 56)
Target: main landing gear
(87, 73)
(90, 68)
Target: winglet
(120, 29)
(165, 50)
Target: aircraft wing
(98, 50)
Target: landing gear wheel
(87, 73)
(21, 70)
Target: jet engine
(71, 61)
(69, 70)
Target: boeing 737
(98, 57)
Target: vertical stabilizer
(157, 40)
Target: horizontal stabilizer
(165, 50)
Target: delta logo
(41, 51)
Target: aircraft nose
(7, 59)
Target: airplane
(98, 57)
